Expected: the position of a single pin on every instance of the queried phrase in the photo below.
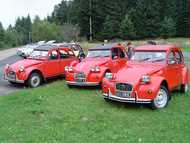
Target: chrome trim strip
(83, 83)
(128, 100)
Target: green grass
(56, 114)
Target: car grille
(11, 75)
(80, 77)
(124, 87)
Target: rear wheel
(162, 98)
(70, 86)
(184, 88)
(34, 80)
(107, 100)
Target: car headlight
(68, 68)
(21, 69)
(145, 79)
(109, 76)
(95, 69)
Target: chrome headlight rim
(21, 69)
(69, 68)
(95, 69)
(145, 79)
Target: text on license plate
(80, 80)
(124, 94)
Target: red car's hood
(133, 71)
(87, 63)
(25, 63)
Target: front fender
(150, 90)
(28, 71)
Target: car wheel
(70, 86)
(184, 88)
(34, 80)
(107, 100)
(162, 98)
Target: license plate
(80, 80)
(124, 94)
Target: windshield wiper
(157, 60)
(145, 59)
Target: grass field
(56, 114)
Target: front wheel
(34, 80)
(184, 88)
(162, 98)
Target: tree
(127, 28)
(146, 17)
(168, 27)
(44, 30)
(2, 35)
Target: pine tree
(127, 28)
(146, 17)
(168, 27)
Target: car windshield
(150, 56)
(98, 53)
(37, 54)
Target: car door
(172, 70)
(66, 57)
(179, 65)
(115, 60)
(52, 67)
(122, 58)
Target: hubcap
(35, 81)
(161, 99)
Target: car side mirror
(171, 62)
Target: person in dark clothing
(129, 49)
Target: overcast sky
(11, 9)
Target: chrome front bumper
(13, 80)
(83, 83)
(127, 100)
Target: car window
(171, 58)
(54, 55)
(63, 54)
(115, 53)
(70, 53)
(121, 54)
(178, 57)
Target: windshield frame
(153, 51)
(108, 50)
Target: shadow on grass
(134, 106)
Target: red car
(99, 61)
(46, 61)
(153, 72)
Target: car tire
(70, 86)
(34, 80)
(184, 88)
(107, 100)
(162, 98)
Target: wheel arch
(37, 71)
